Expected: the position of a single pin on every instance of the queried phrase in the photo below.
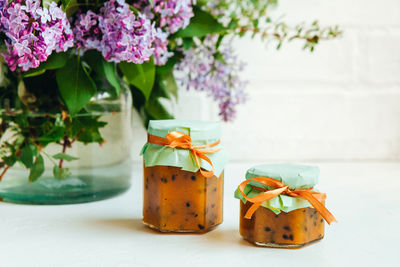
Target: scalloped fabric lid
(293, 175)
(201, 133)
(198, 130)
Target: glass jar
(291, 230)
(285, 218)
(178, 195)
(100, 171)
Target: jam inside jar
(294, 229)
(181, 201)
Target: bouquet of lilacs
(57, 55)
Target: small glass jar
(177, 195)
(294, 229)
(282, 221)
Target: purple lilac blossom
(201, 71)
(116, 32)
(33, 32)
(161, 53)
(172, 16)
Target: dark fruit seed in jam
(285, 237)
(286, 228)
(322, 220)
(276, 216)
(291, 237)
(196, 215)
(173, 177)
(213, 205)
(215, 189)
(193, 178)
(187, 204)
(164, 180)
(201, 227)
(305, 229)
(267, 229)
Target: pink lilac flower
(33, 32)
(161, 53)
(116, 32)
(201, 70)
(171, 16)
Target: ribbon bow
(314, 198)
(177, 139)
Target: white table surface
(363, 196)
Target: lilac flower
(33, 32)
(116, 32)
(173, 14)
(170, 16)
(216, 71)
(161, 53)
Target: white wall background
(341, 102)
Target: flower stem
(4, 172)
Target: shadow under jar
(178, 200)
(284, 217)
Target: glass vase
(100, 172)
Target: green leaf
(37, 169)
(10, 160)
(140, 75)
(169, 66)
(54, 61)
(157, 111)
(110, 74)
(65, 3)
(61, 173)
(88, 128)
(201, 24)
(27, 155)
(167, 84)
(187, 43)
(75, 85)
(64, 157)
(103, 68)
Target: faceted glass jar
(294, 229)
(100, 172)
(181, 201)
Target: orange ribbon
(314, 198)
(177, 139)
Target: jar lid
(200, 132)
(293, 175)
(197, 130)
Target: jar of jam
(279, 207)
(183, 176)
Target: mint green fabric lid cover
(200, 132)
(295, 176)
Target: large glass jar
(101, 171)
(279, 207)
(179, 195)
